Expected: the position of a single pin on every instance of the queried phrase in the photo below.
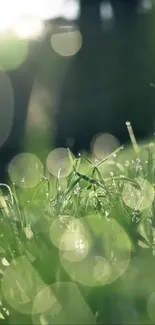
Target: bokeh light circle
(76, 247)
(62, 227)
(58, 162)
(44, 300)
(61, 303)
(104, 144)
(67, 42)
(107, 254)
(21, 284)
(6, 107)
(101, 270)
(13, 51)
(25, 170)
(138, 199)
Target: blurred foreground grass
(81, 249)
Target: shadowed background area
(74, 69)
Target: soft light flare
(28, 27)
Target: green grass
(113, 200)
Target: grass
(113, 201)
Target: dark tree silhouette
(108, 80)
(98, 89)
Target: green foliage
(118, 189)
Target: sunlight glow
(70, 9)
(11, 11)
(28, 27)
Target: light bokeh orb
(145, 6)
(103, 145)
(21, 284)
(63, 227)
(25, 170)
(101, 270)
(13, 51)
(76, 247)
(6, 107)
(61, 303)
(106, 256)
(67, 42)
(87, 271)
(106, 11)
(45, 300)
(58, 162)
(138, 199)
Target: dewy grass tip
(132, 137)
